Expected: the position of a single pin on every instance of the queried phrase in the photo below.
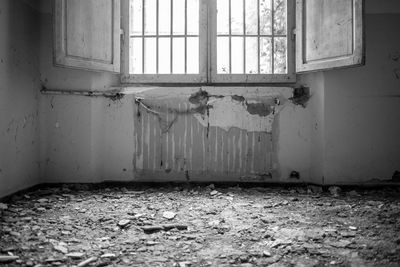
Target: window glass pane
(237, 16)
(251, 55)
(280, 55)
(136, 17)
(265, 17)
(223, 55)
(237, 55)
(251, 17)
(164, 20)
(178, 61)
(279, 16)
(164, 55)
(150, 17)
(192, 17)
(192, 55)
(223, 16)
(150, 55)
(265, 55)
(135, 62)
(178, 17)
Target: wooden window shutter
(87, 34)
(329, 34)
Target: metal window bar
(157, 38)
(172, 39)
(258, 37)
(168, 35)
(273, 36)
(230, 37)
(185, 36)
(250, 35)
(143, 43)
(244, 38)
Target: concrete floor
(78, 225)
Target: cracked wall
(19, 94)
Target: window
(209, 41)
(251, 43)
(165, 41)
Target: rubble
(75, 255)
(335, 191)
(187, 226)
(61, 249)
(108, 255)
(123, 223)
(353, 193)
(214, 192)
(86, 262)
(163, 227)
(314, 189)
(169, 215)
(7, 258)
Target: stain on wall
(226, 134)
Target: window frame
(207, 53)
(289, 77)
(127, 78)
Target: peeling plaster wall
(212, 134)
(363, 106)
(169, 137)
(19, 93)
(245, 134)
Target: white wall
(363, 107)
(19, 93)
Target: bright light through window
(164, 37)
(251, 37)
(216, 41)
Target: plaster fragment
(238, 98)
(301, 96)
(199, 98)
(252, 116)
(260, 109)
(396, 176)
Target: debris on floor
(191, 225)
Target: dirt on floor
(190, 225)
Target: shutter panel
(329, 34)
(87, 34)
